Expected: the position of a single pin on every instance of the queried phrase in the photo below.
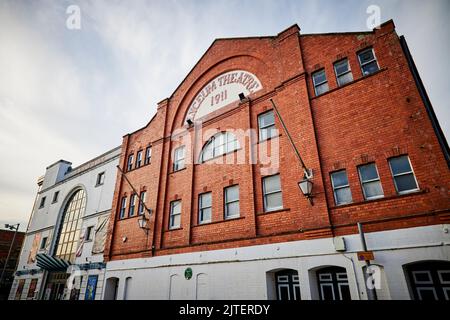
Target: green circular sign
(188, 273)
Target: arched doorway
(333, 283)
(429, 280)
(111, 286)
(287, 285)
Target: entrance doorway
(56, 286)
(333, 284)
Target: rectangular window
(343, 72)
(42, 204)
(43, 243)
(132, 205)
(123, 208)
(89, 233)
(266, 123)
(55, 197)
(139, 159)
(368, 61)
(175, 214)
(370, 181)
(232, 202)
(141, 203)
(320, 82)
(205, 207)
(130, 162)
(100, 178)
(148, 155)
(341, 188)
(32, 289)
(403, 174)
(272, 193)
(178, 158)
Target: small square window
(178, 158)
(266, 123)
(43, 243)
(42, 203)
(89, 233)
(130, 162)
(370, 181)
(55, 197)
(343, 72)
(205, 207)
(139, 159)
(402, 172)
(100, 179)
(148, 155)
(341, 188)
(175, 214)
(273, 199)
(320, 82)
(232, 202)
(368, 61)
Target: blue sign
(91, 287)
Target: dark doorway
(429, 280)
(333, 284)
(287, 285)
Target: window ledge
(268, 139)
(349, 83)
(173, 229)
(220, 221)
(178, 170)
(98, 185)
(274, 211)
(396, 196)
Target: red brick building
(13, 248)
(359, 117)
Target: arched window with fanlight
(219, 144)
(70, 227)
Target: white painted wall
(99, 200)
(244, 273)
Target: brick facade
(370, 119)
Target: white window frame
(371, 180)
(178, 163)
(139, 159)
(43, 244)
(132, 208)
(227, 202)
(340, 187)
(361, 65)
(319, 84)
(142, 198)
(123, 207)
(342, 74)
(148, 155)
(267, 127)
(172, 215)
(130, 162)
(402, 174)
(272, 192)
(201, 208)
(89, 233)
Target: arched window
(219, 144)
(69, 232)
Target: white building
(66, 232)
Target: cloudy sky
(72, 94)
